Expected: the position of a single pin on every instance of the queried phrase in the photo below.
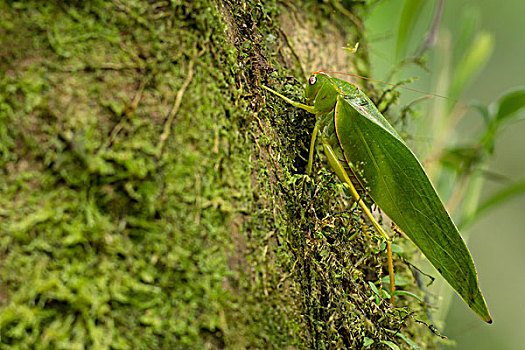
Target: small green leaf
(374, 288)
(367, 342)
(508, 107)
(390, 344)
(409, 341)
(408, 294)
(386, 295)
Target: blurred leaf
(470, 19)
(506, 108)
(497, 199)
(461, 159)
(476, 56)
(510, 104)
(411, 12)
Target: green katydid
(360, 143)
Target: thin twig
(431, 327)
(432, 34)
(174, 110)
(350, 15)
(126, 113)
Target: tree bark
(154, 196)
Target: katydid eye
(313, 80)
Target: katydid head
(320, 92)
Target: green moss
(131, 222)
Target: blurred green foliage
(458, 169)
(459, 165)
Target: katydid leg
(342, 174)
(312, 148)
(309, 109)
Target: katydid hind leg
(340, 171)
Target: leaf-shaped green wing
(397, 183)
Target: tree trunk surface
(153, 195)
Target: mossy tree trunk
(153, 195)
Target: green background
(496, 241)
